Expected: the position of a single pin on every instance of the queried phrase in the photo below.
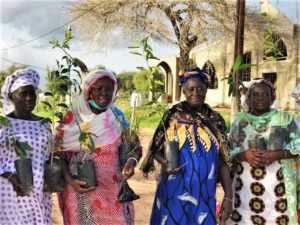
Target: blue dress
(188, 197)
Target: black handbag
(126, 194)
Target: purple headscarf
(19, 78)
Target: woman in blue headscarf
(187, 194)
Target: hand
(226, 211)
(128, 169)
(159, 158)
(16, 185)
(255, 157)
(76, 184)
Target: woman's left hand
(226, 211)
(128, 170)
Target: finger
(84, 190)
(80, 182)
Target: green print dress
(264, 195)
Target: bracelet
(10, 176)
(229, 199)
(136, 162)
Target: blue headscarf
(194, 72)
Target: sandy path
(143, 187)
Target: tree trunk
(239, 46)
(184, 63)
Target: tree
(10, 70)
(181, 23)
(125, 80)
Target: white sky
(23, 20)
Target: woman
(187, 195)
(19, 94)
(265, 175)
(96, 113)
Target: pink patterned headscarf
(19, 78)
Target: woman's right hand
(254, 156)
(158, 156)
(76, 184)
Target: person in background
(187, 195)
(19, 94)
(264, 179)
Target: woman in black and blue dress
(187, 194)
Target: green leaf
(153, 57)
(134, 46)
(47, 93)
(264, 14)
(45, 120)
(4, 122)
(24, 146)
(82, 137)
(63, 105)
(135, 53)
(81, 65)
(47, 104)
(60, 116)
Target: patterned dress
(99, 206)
(188, 197)
(263, 195)
(35, 208)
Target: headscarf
(265, 81)
(296, 94)
(107, 126)
(19, 78)
(194, 72)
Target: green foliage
(125, 80)
(21, 148)
(140, 81)
(67, 78)
(143, 49)
(270, 43)
(10, 70)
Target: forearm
(65, 171)
(225, 178)
(281, 154)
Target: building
(217, 59)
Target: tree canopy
(10, 70)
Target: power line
(43, 35)
(23, 64)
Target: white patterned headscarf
(19, 78)
(106, 126)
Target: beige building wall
(220, 54)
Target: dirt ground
(143, 187)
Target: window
(246, 73)
(211, 71)
(275, 48)
(271, 76)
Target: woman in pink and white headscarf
(19, 94)
(96, 113)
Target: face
(260, 99)
(195, 92)
(24, 99)
(102, 92)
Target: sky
(24, 20)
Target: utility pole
(238, 51)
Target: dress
(264, 195)
(99, 206)
(188, 197)
(35, 208)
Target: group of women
(259, 180)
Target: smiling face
(102, 92)
(24, 99)
(260, 99)
(195, 92)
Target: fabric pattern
(188, 197)
(35, 208)
(99, 206)
(265, 195)
(18, 79)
